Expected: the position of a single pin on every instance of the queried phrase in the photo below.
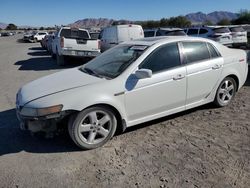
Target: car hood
(58, 82)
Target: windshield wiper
(91, 72)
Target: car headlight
(37, 112)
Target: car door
(204, 66)
(163, 93)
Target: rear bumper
(76, 53)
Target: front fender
(78, 99)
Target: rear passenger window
(195, 51)
(163, 58)
(192, 32)
(213, 52)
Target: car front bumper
(46, 123)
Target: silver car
(132, 83)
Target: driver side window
(163, 58)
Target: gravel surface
(203, 147)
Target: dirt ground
(203, 147)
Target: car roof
(149, 41)
(76, 28)
(165, 29)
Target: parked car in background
(134, 82)
(239, 36)
(34, 36)
(164, 32)
(39, 36)
(44, 42)
(74, 42)
(219, 34)
(6, 34)
(111, 36)
(28, 37)
(247, 29)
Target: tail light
(62, 42)
(241, 60)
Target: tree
(224, 22)
(207, 22)
(41, 28)
(11, 27)
(164, 22)
(179, 21)
(244, 18)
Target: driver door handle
(216, 67)
(178, 77)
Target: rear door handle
(216, 67)
(178, 77)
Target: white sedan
(132, 83)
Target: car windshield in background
(75, 34)
(237, 29)
(149, 33)
(114, 61)
(221, 30)
(94, 35)
(176, 33)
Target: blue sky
(49, 12)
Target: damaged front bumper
(46, 123)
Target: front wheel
(225, 92)
(92, 127)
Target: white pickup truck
(74, 42)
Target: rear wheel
(92, 127)
(225, 92)
(60, 59)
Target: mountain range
(3, 25)
(195, 18)
(214, 17)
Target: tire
(53, 56)
(60, 60)
(92, 127)
(225, 92)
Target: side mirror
(143, 73)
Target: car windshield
(175, 33)
(74, 34)
(113, 62)
(94, 35)
(149, 33)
